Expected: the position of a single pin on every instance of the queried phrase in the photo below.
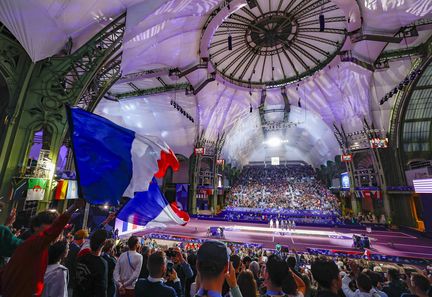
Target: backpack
(83, 277)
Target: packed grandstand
(292, 187)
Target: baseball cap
(212, 258)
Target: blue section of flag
(124, 226)
(145, 206)
(102, 152)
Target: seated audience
(293, 187)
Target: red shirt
(23, 276)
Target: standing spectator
(145, 252)
(247, 284)
(108, 252)
(23, 275)
(376, 280)
(214, 267)
(395, 287)
(326, 273)
(128, 268)
(255, 269)
(8, 241)
(154, 284)
(364, 285)
(56, 276)
(92, 269)
(237, 264)
(278, 278)
(182, 268)
(418, 285)
(246, 262)
(70, 261)
(191, 259)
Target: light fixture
(274, 142)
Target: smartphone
(170, 266)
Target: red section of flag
(167, 160)
(180, 213)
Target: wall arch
(415, 126)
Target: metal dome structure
(275, 42)
(176, 51)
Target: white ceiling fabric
(153, 115)
(44, 26)
(166, 34)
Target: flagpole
(80, 193)
(86, 214)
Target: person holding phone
(418, 285)
(214, 268)
(181, 267)
(155, 285)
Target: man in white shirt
(364, 285)
(127, 269)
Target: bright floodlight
(274, 142)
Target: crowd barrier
(184, 239)
(373, 257)
(317, 221)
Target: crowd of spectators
(293, 187)
(54, 263)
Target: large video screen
(345, 182)
(275, 161)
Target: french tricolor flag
(114, 162)
(151, 209)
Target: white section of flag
(423, 186)
(145, 152)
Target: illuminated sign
(346, 158)
(345, 182)
(199, 151)
(423, 186)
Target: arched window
(416, 130)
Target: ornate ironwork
(66, 79)
(281, 43)
(156, 90)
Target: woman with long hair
(247, 284)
